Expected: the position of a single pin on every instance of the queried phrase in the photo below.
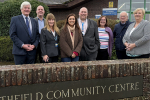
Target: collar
(81, 21)
(39, 18)
(25, 16)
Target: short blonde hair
(142, 9)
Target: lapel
(23, 23)
(88, 21)
(32, 23)
(44, 22)
(130, 28)
(137, 28)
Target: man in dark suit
(89, 30)
(25, 36)
(119, 32)
(41, 23)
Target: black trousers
(24, 59)
(52, 59)
(85, 57)
(38, 53)
(121, 54)
(102, 54)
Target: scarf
(72, 36)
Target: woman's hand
(45, 58)
(73, 55)
(131, 46)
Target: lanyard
(55, 38)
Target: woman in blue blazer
(49, 40)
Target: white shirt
(29, 20)
(53, 33)
(131, 31)
(85, 25)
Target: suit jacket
(140, 36)
(48, 42)
(91, 39)
(19, 35)
(66, 47)
(119, 31)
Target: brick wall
(94, 7)
(16, 75)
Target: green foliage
(11, 8)
(6, 49)
(60, 23)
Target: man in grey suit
(89, 30)
(41, 23)
(25, 36)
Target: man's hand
(28, 47)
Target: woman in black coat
(49, 40)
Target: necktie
(82, 28)
(27, 23)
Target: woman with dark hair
(49, 39)
(70, 40)
(105, 38)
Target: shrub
(60, 23)
(11, 8)
(6, 45)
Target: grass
(7, 63)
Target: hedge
(6, 49)
(6, 43)
(11, 8)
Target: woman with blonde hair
(137, 36)
(49, 39)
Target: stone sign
(94, 89)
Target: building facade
(94, 7)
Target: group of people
(80, 39)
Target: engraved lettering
(37, 96)
(88, 91)
(103, 88)
(82, 94)
(97, 89)
(16, 98)
(116, 88)
(110, 90)
(47, 95)
(55, 94)
(65, 95)
(75, 94)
